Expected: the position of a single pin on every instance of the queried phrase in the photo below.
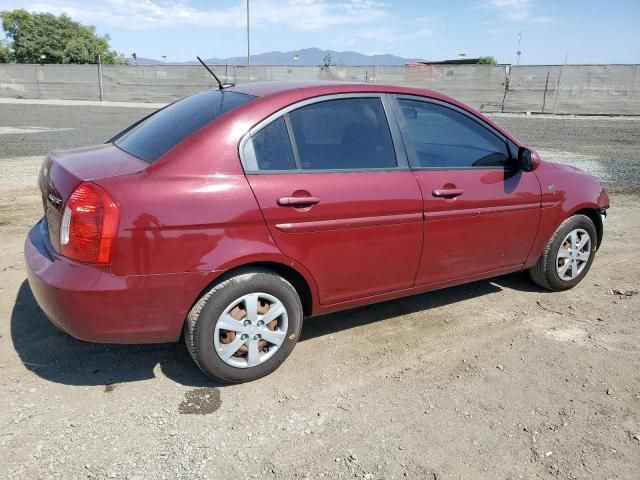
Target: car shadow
(55, 356)
(378, 312)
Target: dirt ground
(496, 379)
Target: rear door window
(162, 131)
(441, 137)
(343, 134)
(272, 148)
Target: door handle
(297, 201)
(448, 192)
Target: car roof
(264, 89)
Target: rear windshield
(163, 130)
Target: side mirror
(528, 160)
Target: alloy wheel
(573, 254)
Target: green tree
(489, 60)
(59, 39)
(5, 52)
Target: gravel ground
(496, 379)
(606, 147)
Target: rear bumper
(90, 303)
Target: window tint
(163, 130)
(348, 133)
(442, 137)
(272, 147)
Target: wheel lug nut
(257, 336)
(244, 336)
(260, 323)
(246, 323)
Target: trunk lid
(62, 171)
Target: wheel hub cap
(250, 330)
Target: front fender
(565, 191)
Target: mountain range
(306, 56)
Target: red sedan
(231, 215)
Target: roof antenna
(221, 85)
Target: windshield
(163, 130)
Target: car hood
(566, 168)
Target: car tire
(229, 300)
(548, 272)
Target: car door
(337, 194)
(481, 211)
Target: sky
(591, 31)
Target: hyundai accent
(229, 216)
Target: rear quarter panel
(172, 224)
(186, 211)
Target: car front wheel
(245, 326)
(567, 256)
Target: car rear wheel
(568, 255)
(245, 326)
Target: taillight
(89, 225)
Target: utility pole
(100, 85)
(519, 52)
(248, 38)
(555, 106)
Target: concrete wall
(69, 82)
(576, 89)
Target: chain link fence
(570, 89)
